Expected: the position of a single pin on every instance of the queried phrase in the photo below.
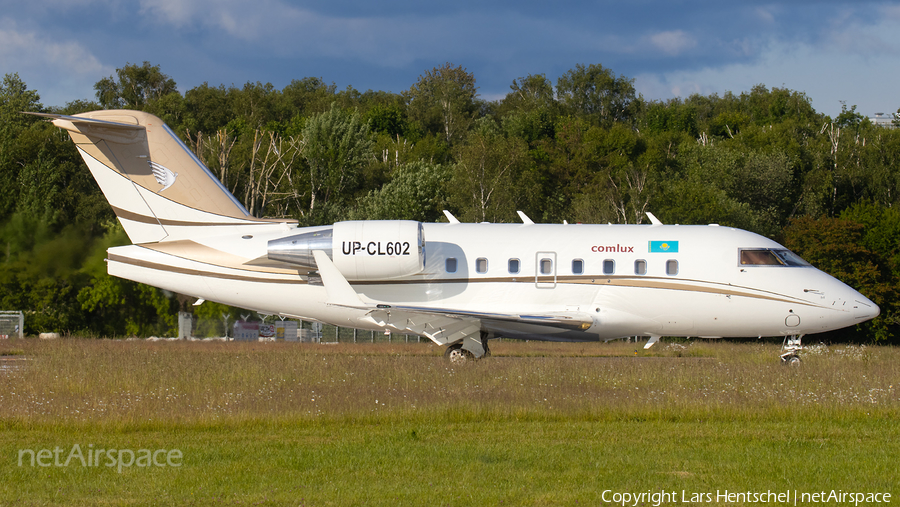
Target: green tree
(444, 100)
(388, 120)
(699, 191)
(257, 105)
(489, 176)
(306, 97)
(120, 307)
(135, 87)
(41, 171)
(207, 108)
(837, 247)
(16, 148)
(764, 181)
(115, 307)
(15, 97)
(598, 94)
(673, 116)
(848, 117)
(416, 191)
(336, 146)
(530, 93)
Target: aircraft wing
(441, 328)
(441, 325)
(565, 320)
(447, 325)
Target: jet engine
(360, 250)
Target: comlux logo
(612, 249)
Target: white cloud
(765, 15)
(851, 37)
(673, 42)
(178, 13)
(29, 49)
(260, 20)
(55, 68)
(891, 11)
(825, 77)
(849, 60)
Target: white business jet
(457, 284)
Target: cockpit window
(789, 258)
(770, 257)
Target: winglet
(340, 293)
(525, 219)
(450, 217)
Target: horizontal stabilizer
(59, 119)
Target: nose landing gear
(790, 350)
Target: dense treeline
(587, 149)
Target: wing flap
(565, 320)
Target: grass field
(394, 424)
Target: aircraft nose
(864, 309)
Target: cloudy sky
(832, 50)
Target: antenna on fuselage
(525, 219)
(450, 217)
(653, 219)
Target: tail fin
(155, 185)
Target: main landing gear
(790, 350)
(456, 354)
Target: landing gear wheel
(790, 350)
(458, 355)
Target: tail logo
(164, 176)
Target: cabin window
(481, 265)
(640, 267)
(770, 257)
(513, 266)
(671, 267)
(609, 267)
(546, 266)
(450, 264)
(577, 267)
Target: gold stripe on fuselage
(687, 285)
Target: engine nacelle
(360, 250)
(378, 249)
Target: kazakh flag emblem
(663, 247)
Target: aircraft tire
(791, 360)
(457, 355)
